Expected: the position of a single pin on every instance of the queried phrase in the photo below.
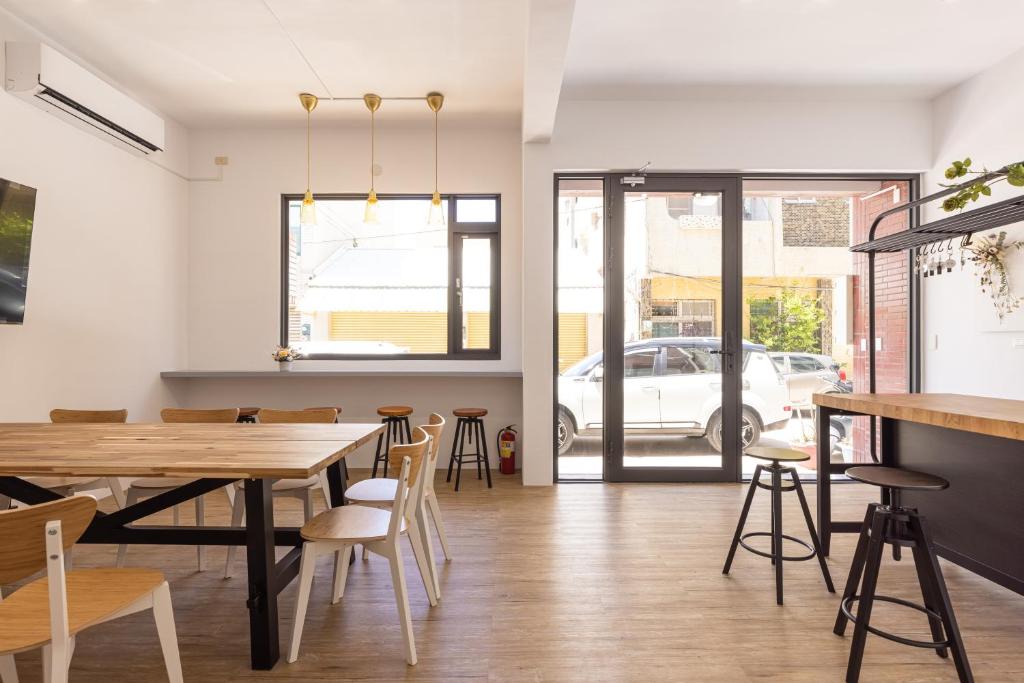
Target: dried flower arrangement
(989, 257)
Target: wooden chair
(148, 487)
(69, 486)
(285, 488)
(49, 612)
(335, 531)
(381, 493)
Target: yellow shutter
(418, 332)
(478, 330)
(572, 339)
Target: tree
(791, 323)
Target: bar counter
(976, 443)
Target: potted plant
(283, 356)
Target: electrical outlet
(220, 161)
(935, 342)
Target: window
(682, 360)
(399, 288)
(639, 363)
(682, 318)
(805, 364)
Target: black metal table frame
(267, 575)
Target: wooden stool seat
(248, 411)
(394, 411)
(354, 523)
(94, 596)
(469, 412)
(897, 478)
(776, 454)
(372, 491)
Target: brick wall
(892, 309)
(824, 223)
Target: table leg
(824, 479)
(264, 640)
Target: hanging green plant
(960, 169)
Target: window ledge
(319, 374)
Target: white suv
(673, 386)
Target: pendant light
(307, 211)
(372, 103)
(435, 216)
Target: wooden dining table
(212, 456)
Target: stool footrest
(788, 558)
(926, 644)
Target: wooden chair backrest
(311, 416)
(434, 429)
(88, 416)
(398, 511)
(415, 451)
(23, 531)
(211, 416)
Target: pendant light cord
(435, 152)
(308, 157)
(373, 144)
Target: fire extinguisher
(507, 450)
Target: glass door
(673, 355)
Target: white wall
(775, 134)
(107, 292)
(980, 118)
(234, 262)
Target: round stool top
(469, 412)
(776, 454)
(394, 411)
(248, 411)
(896, 478)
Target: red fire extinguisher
(507, 450)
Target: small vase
(284, 366)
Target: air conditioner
(39, 74)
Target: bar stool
(398, 431)
(248, 414)
(899, 526)
(470, 423)
(777, 456)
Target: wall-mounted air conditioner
(39, 74)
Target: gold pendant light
(307, 211)
(373, 104)
(435, 216)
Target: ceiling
(661, 49)
(226, 62)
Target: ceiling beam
(547, 41)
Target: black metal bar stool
(899, 526)
(777, 455)
(398, 431)
(470, 426)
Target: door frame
(609, 177)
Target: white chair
(381, 493)
(337, 530)
(69, 486)
(285, 488)
(148, 487)
(49, 612)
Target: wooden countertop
(993, 416)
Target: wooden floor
(578, 582)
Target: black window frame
(456, 233)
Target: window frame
(456, 232)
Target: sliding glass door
(649, 353)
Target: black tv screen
(17, 209)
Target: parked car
(809, 374)
(673, 386)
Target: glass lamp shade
(435, 216)
(370, 213)
(307, 211)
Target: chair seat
(64, 482)
(94, 595)
(394, 411)
(897, 478)
(160, 482)
(373, 491)
(352, 523)
(776, 454)
(288, 484)
(469, 412)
